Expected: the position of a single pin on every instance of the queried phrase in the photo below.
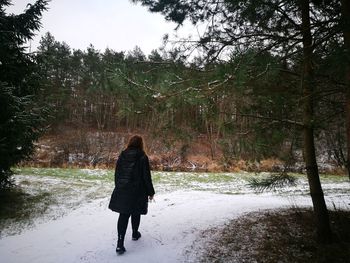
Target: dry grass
(275, 236)
(269, 165)
(84, 148)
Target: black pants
(123, 223)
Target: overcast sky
(117, 24)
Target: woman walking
(133, 188)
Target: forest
(243, 93)
(262, 82)
(247, 107)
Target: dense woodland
(248, 106)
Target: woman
(133, 188)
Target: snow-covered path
(88, 234)
(78, 227)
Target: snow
(174, 222)
(95, 172)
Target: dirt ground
(285, 236)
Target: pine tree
(21, 119)
(287, 28)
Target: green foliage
(21, 123)
(54, 63)
(21, 118)
(15, 30)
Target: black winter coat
(133, 183)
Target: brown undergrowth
(284, 236)
(87, 148)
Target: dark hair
(135, 142)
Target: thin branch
(300, 124)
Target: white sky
(117, 24)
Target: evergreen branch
(273, 182)
(130, 81)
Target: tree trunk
(345, 10)
(317, 196)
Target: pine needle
(273, 182)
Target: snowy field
(78, 227)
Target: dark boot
(120, 245)
(136, 235)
